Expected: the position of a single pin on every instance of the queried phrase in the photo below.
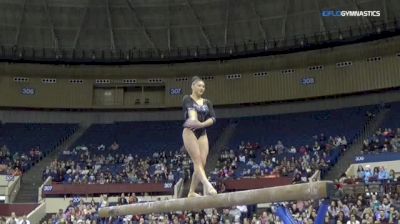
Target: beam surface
(306, 191)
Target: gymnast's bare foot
(211, 191)
(193, 195)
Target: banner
(370, 158)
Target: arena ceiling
(173, 24)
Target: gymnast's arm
(188, 110)
(212, 118)
(190, 114)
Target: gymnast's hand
(193, 124)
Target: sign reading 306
(28, 91)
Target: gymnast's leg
(192, 146)
(204, 148)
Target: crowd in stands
(378, 174)
(101, 165)
(13, 219)
(371, 176)
(372, 208)
(22, 145)
(383, 140)
(253, 160)
(18, 162)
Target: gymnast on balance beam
(199, 114)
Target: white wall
(37, 214)
(9, 189)
(176, 114)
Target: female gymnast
(199, 114)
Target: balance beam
(306, 191)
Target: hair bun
(195, 78)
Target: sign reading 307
(47, 188)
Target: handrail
(12, 189)
(37, 214)
(48, 181)
(178, 188)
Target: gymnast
(199, 114)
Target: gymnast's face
(198, 88)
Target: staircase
(213, 156)
(219, 145)
(355, 149)
(32, 179)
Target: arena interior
(306, 97)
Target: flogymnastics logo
(347, 13)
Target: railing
(12, 188)
(316, 176)
(178, 187)
(37, 214)
(237, 50)
(374, 187)
(56, 190)
(47, 182)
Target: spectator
(375, 173)
(393, 215)
(367, 174)
(383, 174)
(392, 176)
(316, 147)
(395, 143)
(101, 147)
(279, 147)
(17, 172)
(343, 141)
(227, 217)
(133, 199)
(114, 146)
(333, 209)
(24, 220)
(366, 146)
(104, 201)
(13, 219)
(292, 150)
(122, 200)
(297, 178)
(360, 172)
(353, 220)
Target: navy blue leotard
(204, 112)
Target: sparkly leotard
(204, 112)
